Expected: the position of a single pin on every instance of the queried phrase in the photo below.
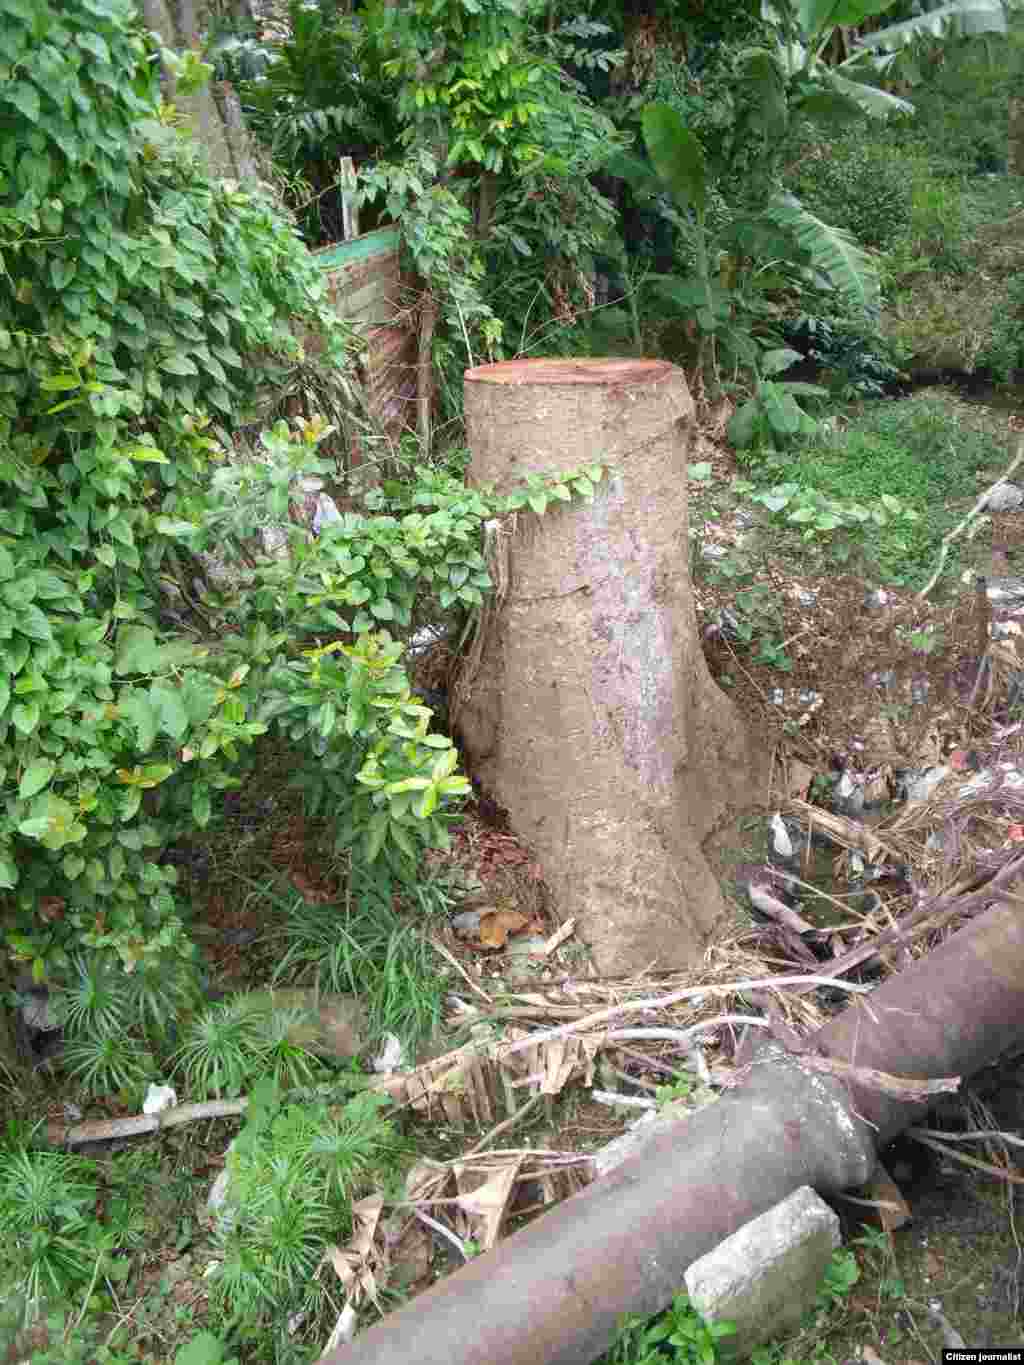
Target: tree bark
(588, 711)
(1015, 136)
(216, 116)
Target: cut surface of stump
(589, 712)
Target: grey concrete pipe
(553, 1293)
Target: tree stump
(590, 714)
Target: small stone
(1004, 497)
(806, 597)
(467, 924)
(876, 600)
(777, 696)
(711, 551)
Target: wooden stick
(950, 536)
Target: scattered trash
(921, 787)
(391, 1056)
(848, 795)
(781, 841)
(326, 512)
(920, 686)
(1006, 591)
(158, 1098)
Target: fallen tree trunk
(553, 1293)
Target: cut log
(591, 716)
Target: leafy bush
(860, 186)
(147, 298)
(897, 473)
(1003, 350)
(851, 354)
(50, 1239)
(296, 1170)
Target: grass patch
(364, 946)
(921, 451)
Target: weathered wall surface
(366, 287)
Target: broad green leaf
(868, 99)
(137, 650)
(743, 425)
(24, 97)
(170, 709)
(774, 362)
(35, 777)
(141, 715)
(25, 717)
(676, 154)
(781, 410)
(961, 19)
(765, 88)
(831, 250)
(201, 804)
(376, 833)
(178, 364)
(35, 828)
(145, 454)
(815, 16)
(34, 623)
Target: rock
(38, 1011)
(467, 924)
(1004, 497)
(766, 1275)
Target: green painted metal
(377, 243)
